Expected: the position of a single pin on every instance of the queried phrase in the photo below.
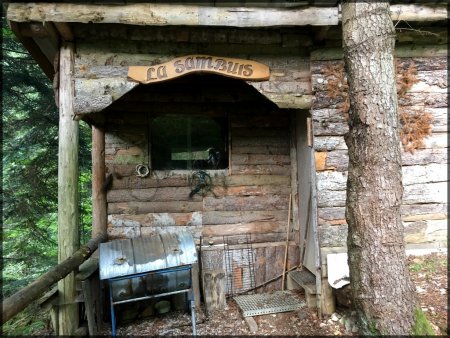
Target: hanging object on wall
(142, 170)
(235, 68)
(200, 183)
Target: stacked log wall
(105, 51)
(424, 208)
(252, 196)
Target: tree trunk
(381, 287)
(68, 216)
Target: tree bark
(381, 286)
(99, 214)
(68, 215)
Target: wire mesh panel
(239, 264)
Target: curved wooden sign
(236, 68)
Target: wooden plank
(261, 169)
(68, 211)
(262, 121)
(252, 131)
(249, 228)
(156, 219)
(260, 265)
(259, 141)
(260, 150)
(280, 253)
(128, 179)
(414, 212)
(230, 217)
(147, 207)
(270, 267)
(214, 290)
(428, 173)
(181, 193)
(338, 159)
(163, 14)
(293, 256)
(152, 195)
(258, 159)
(400, 51)
(425, 193)
(257, 238)
(229, 203)
(250, 190)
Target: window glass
(188, 142)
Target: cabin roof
(40, 27)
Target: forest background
(29, 127)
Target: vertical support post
(98, 179)
(68, 216)
(294, 179)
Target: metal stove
(148, 267)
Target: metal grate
(265, 303)
(239, 264)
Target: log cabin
(228, 119)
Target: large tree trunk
(382, 290)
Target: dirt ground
(429, 274)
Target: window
(189, 142)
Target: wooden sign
(236, 68)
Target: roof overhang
(40, 27)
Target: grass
(30, 321)
(422, 326)
(428, 264)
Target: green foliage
(428, 264)
(422, 326)
(28, 322)
(30, 171)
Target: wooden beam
(165, 15)
(65, 31)
(68, 216)
(194, 15)
(425, 51)
(418, 12)
(98, 178)
(21, 299)
(34, 50)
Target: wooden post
(327, 299)
(214, 289)
(98, 177)
(68, 215)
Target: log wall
(424, 171)
(250, 197)
(105, 51)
